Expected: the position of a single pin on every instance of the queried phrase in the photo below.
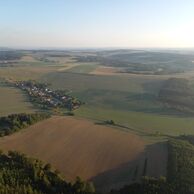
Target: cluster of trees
(15, 122)
(110, 122)
(181, 164)
(148, 185)
(22, 175)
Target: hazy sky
(97, 23)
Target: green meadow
(131, 101)
(83, 68)
(13, 101)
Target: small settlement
(47, 98)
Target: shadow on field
(151, 162)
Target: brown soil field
(67, 66)
(156, 156)
(76, 147)
(102, 70)
(28, 58)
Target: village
(47, 98)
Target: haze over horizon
(97, 24)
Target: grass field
(150, 126)
(13, 101)
(129, 101)
(26, 73)
(82, 82)
(102, 70)
(83, 68)
(78, 147)
(113, 152)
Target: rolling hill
(76, 147)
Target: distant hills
(177, 93)
(6, 49)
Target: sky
(97, 23)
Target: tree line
(15, 122)
(22, 175)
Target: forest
(22, 175)
(15, 122)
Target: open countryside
(62, 137)
(97, 97)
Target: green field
(26, 73)
(84, 68)
(13, 101)
(131, 101)
(144, 124)
(83, 82)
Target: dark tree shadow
(151, 162)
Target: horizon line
(92, 48)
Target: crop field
(13, 101)
(109, 155)
(102, 70)
(28, 58)
(77, 147)
(148, 125)
(129, 101)
(25, 72)
(82, 82)
(83, 68)
(156, 158)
